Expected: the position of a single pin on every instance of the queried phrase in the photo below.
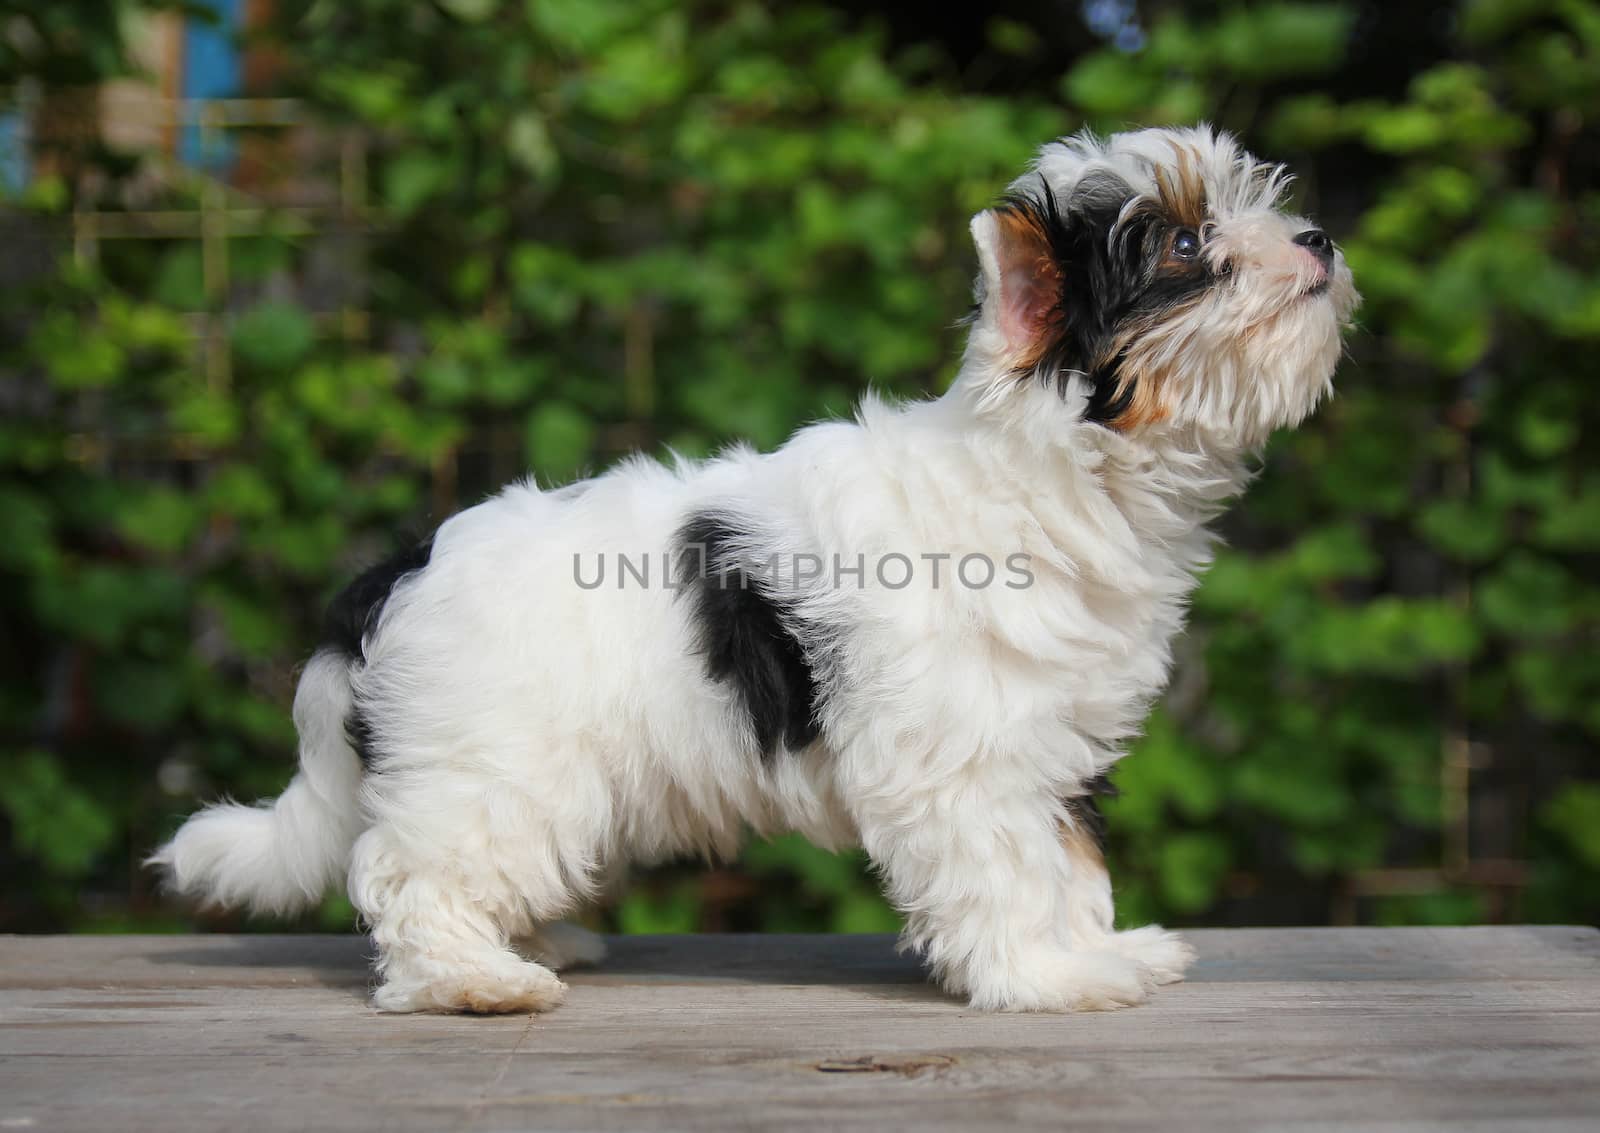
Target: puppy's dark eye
(1186, 244)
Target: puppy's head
(1152, 280)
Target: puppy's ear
(1021, 278)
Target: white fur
(279, 856)
(536, 736)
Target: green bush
(600, 226)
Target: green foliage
(51, 819)
(610, 225)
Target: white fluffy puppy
(928, 632)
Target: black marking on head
(353, 614)
(1112, 254)
(1109, 396)
(750, 639)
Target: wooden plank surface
(1487, 1028)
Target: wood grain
(1487, 1028)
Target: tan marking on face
(1181, 200)
(1031, 278)
(1147, 406)
(1024, 243)
(1147, 365)
(1181, 190)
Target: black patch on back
(1085, 808)
(748, 637)
(353, 614)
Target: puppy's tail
(280, 856)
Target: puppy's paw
(1069, 981)
(561, 946)
(530, 991)
(1163, 957)
(501, 989)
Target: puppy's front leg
(996, 902)
(1162, 956)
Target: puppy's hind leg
(440, 927)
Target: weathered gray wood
(1491, 1028)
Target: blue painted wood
(212, 68)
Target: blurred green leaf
(273, 336)
(158, 519)
(1192, 868)
(52, 821)
(1574, 814)
(558, 439)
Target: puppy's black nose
(1316, 241)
